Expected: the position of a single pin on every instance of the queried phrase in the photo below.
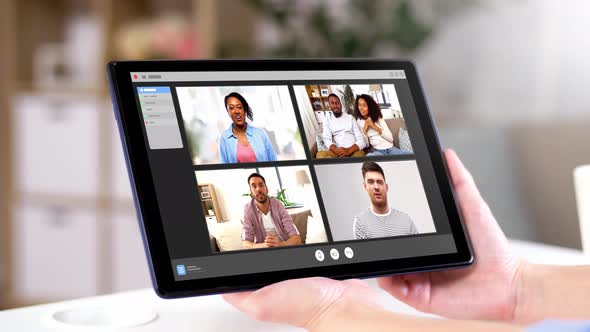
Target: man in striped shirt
(379, 220)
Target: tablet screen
(270, 171)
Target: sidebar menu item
(159, 117)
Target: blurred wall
(507, 83)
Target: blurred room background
(507, 83)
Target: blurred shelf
(37, 29)
(54, 199)
(124, 206)
(96, 202)
(14, 302)
(64, 90)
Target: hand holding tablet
(246, 173)
(486, 291)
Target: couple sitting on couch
(363, 133)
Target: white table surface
(211, 313)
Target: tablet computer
(249, 172)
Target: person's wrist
(346, 313)
(523, 289)
(333, 311)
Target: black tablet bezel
(148, 213)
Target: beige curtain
(307, 116)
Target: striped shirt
(369, 225)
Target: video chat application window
(269, 171)
(318, 159)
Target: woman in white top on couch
(368, 115)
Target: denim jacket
(259, 141)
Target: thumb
(236, 299)
(470, 201)
(460, 177)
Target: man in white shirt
(341, 134)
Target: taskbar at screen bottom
(263, 260)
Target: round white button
(319, 255)
(348, 252)
(334, 254)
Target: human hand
(366, 126)
(486, 290)
(350, 150)
(271, 240)
(303, 302)
(334, 149)
(341, 152)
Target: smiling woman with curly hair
(368, 115)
